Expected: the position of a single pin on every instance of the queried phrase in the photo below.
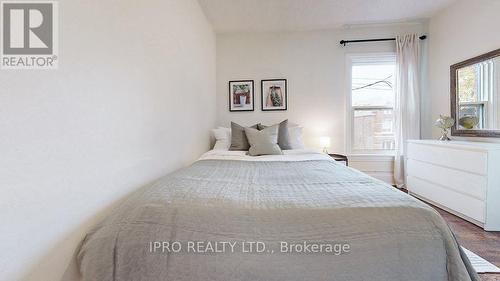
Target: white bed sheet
(288, 155)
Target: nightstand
(340, 158)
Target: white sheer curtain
(407, 106)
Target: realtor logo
(29, 35)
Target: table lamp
(325, 143)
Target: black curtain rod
(345, 42)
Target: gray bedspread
(383, 233)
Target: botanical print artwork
(241, 95)
(274, 97)
(274, 94)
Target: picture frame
(241, 95)
(274, 94)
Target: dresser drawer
(465, 160)
(469, 184)
(461, 203)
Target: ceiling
(281, 15)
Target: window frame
(485, 90)
(349, 133)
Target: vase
(444, 137)
(243, 100)
(444, 123)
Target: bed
(279, 206)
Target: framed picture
(241, 95)
(274, 94)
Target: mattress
(297, 216)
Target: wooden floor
(483, 243)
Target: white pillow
(222, 138)
(295, 133)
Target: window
(476, 86)
(371, 108)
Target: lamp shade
(325, 141)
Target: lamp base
(325, 150)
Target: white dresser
(458, 176)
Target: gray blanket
(273, 213)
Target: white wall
(313, 62)
(462, 31)
(132, 100)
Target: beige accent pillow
(239, 139)
(283, 135)
(264, 142)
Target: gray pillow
(264, 142)
(239, 139)
(283, 135)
